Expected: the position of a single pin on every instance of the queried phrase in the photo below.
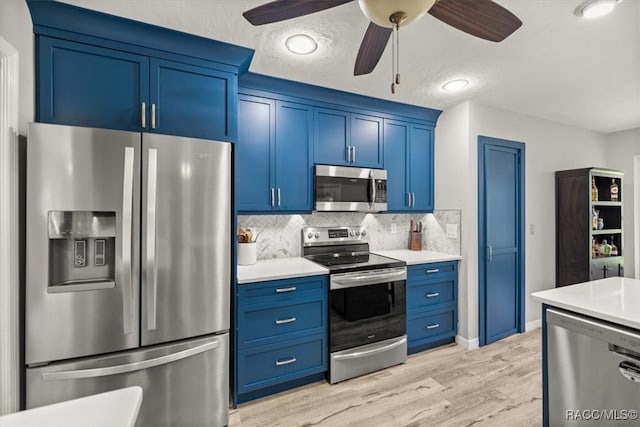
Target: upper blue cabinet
(347, 139)
(100, 70)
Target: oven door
(366, 307)
(343, 189)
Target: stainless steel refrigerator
(128, 270)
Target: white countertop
(117, 408)
(614, 299)
(279, 268)
(418, 257)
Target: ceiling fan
(481, 18)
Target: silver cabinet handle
(283, 321)
(286, 362)
(408, 199)
(143, 115)
(348, 154)
(433, 295)
(279, 197)
(283, 290)
(437, 325)
(435, 270)
(273, 197)
(353, 156)
(151, 280)
(413, 200)
(490, 253)
(130, 367)
(127, 231)
(153, 116)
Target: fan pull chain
(398, 53)
(396, 19)
(393, 60)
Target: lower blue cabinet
(281, 335)
(432, 305)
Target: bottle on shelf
(605, 248)
(594, 218)
(614, 248)
(613, 190)
(594, 189)
(596, 248)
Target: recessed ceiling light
(595, 8)
(301, 44)
(455, 85)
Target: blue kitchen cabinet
(347, 139)
(273, 159)
(432, 305)
(281, 335)
(408, 154)
(84, 85)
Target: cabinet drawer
(281, 290)
(431, 325)
(260, 324)
(264, 366)
(429, 294)
(432, 271)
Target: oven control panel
(333, 235)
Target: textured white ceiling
(558, 67)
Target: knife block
(415, 241)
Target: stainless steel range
(367, 301)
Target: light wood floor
(496, 385)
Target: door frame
(483, 142)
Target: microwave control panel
(381, 191)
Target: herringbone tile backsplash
(279, 236)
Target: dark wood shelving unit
(576, 231)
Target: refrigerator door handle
(129, 367)
(151, 265)
(127, 218)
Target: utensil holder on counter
(247, 253)
(415, 241)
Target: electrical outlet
(452, 231)
(394, 228)
(532, 229)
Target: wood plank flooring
(496, 385)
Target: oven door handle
(359, 354)
(350, 281)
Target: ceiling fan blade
(373, 44)
(281, 10)
(480, 18)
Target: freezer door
(183, 384)
(186, 229)
(82, 246)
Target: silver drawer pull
(437, 325)
(435, 270)
(286, 362)
(283, 321)
(282, 290)
(433, 295)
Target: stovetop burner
(343, 249)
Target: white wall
(622, 147)
(549, 147)
(17, 29)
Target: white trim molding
(469, 344)
(9, 244)
(534, 324)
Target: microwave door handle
(373, 191)
(151, 264)
(127, 231)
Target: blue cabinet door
(192, 101)
(331, 137)
(84, 85)
(254, 153)
(396, 141)
(366, 141)
(293, 161)
(421, 168)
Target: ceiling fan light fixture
(380, 11)
(595, 8)
(301, 44)
(455, 85)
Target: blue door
(501, 238)
(421, 167)
(331, 137)
(366, 141)
(396, 141)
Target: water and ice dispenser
(81, 250)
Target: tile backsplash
(279, 235)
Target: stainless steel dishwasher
(593, 371)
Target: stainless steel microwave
(349, 189)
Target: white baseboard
(534, 324)
(471, 344)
